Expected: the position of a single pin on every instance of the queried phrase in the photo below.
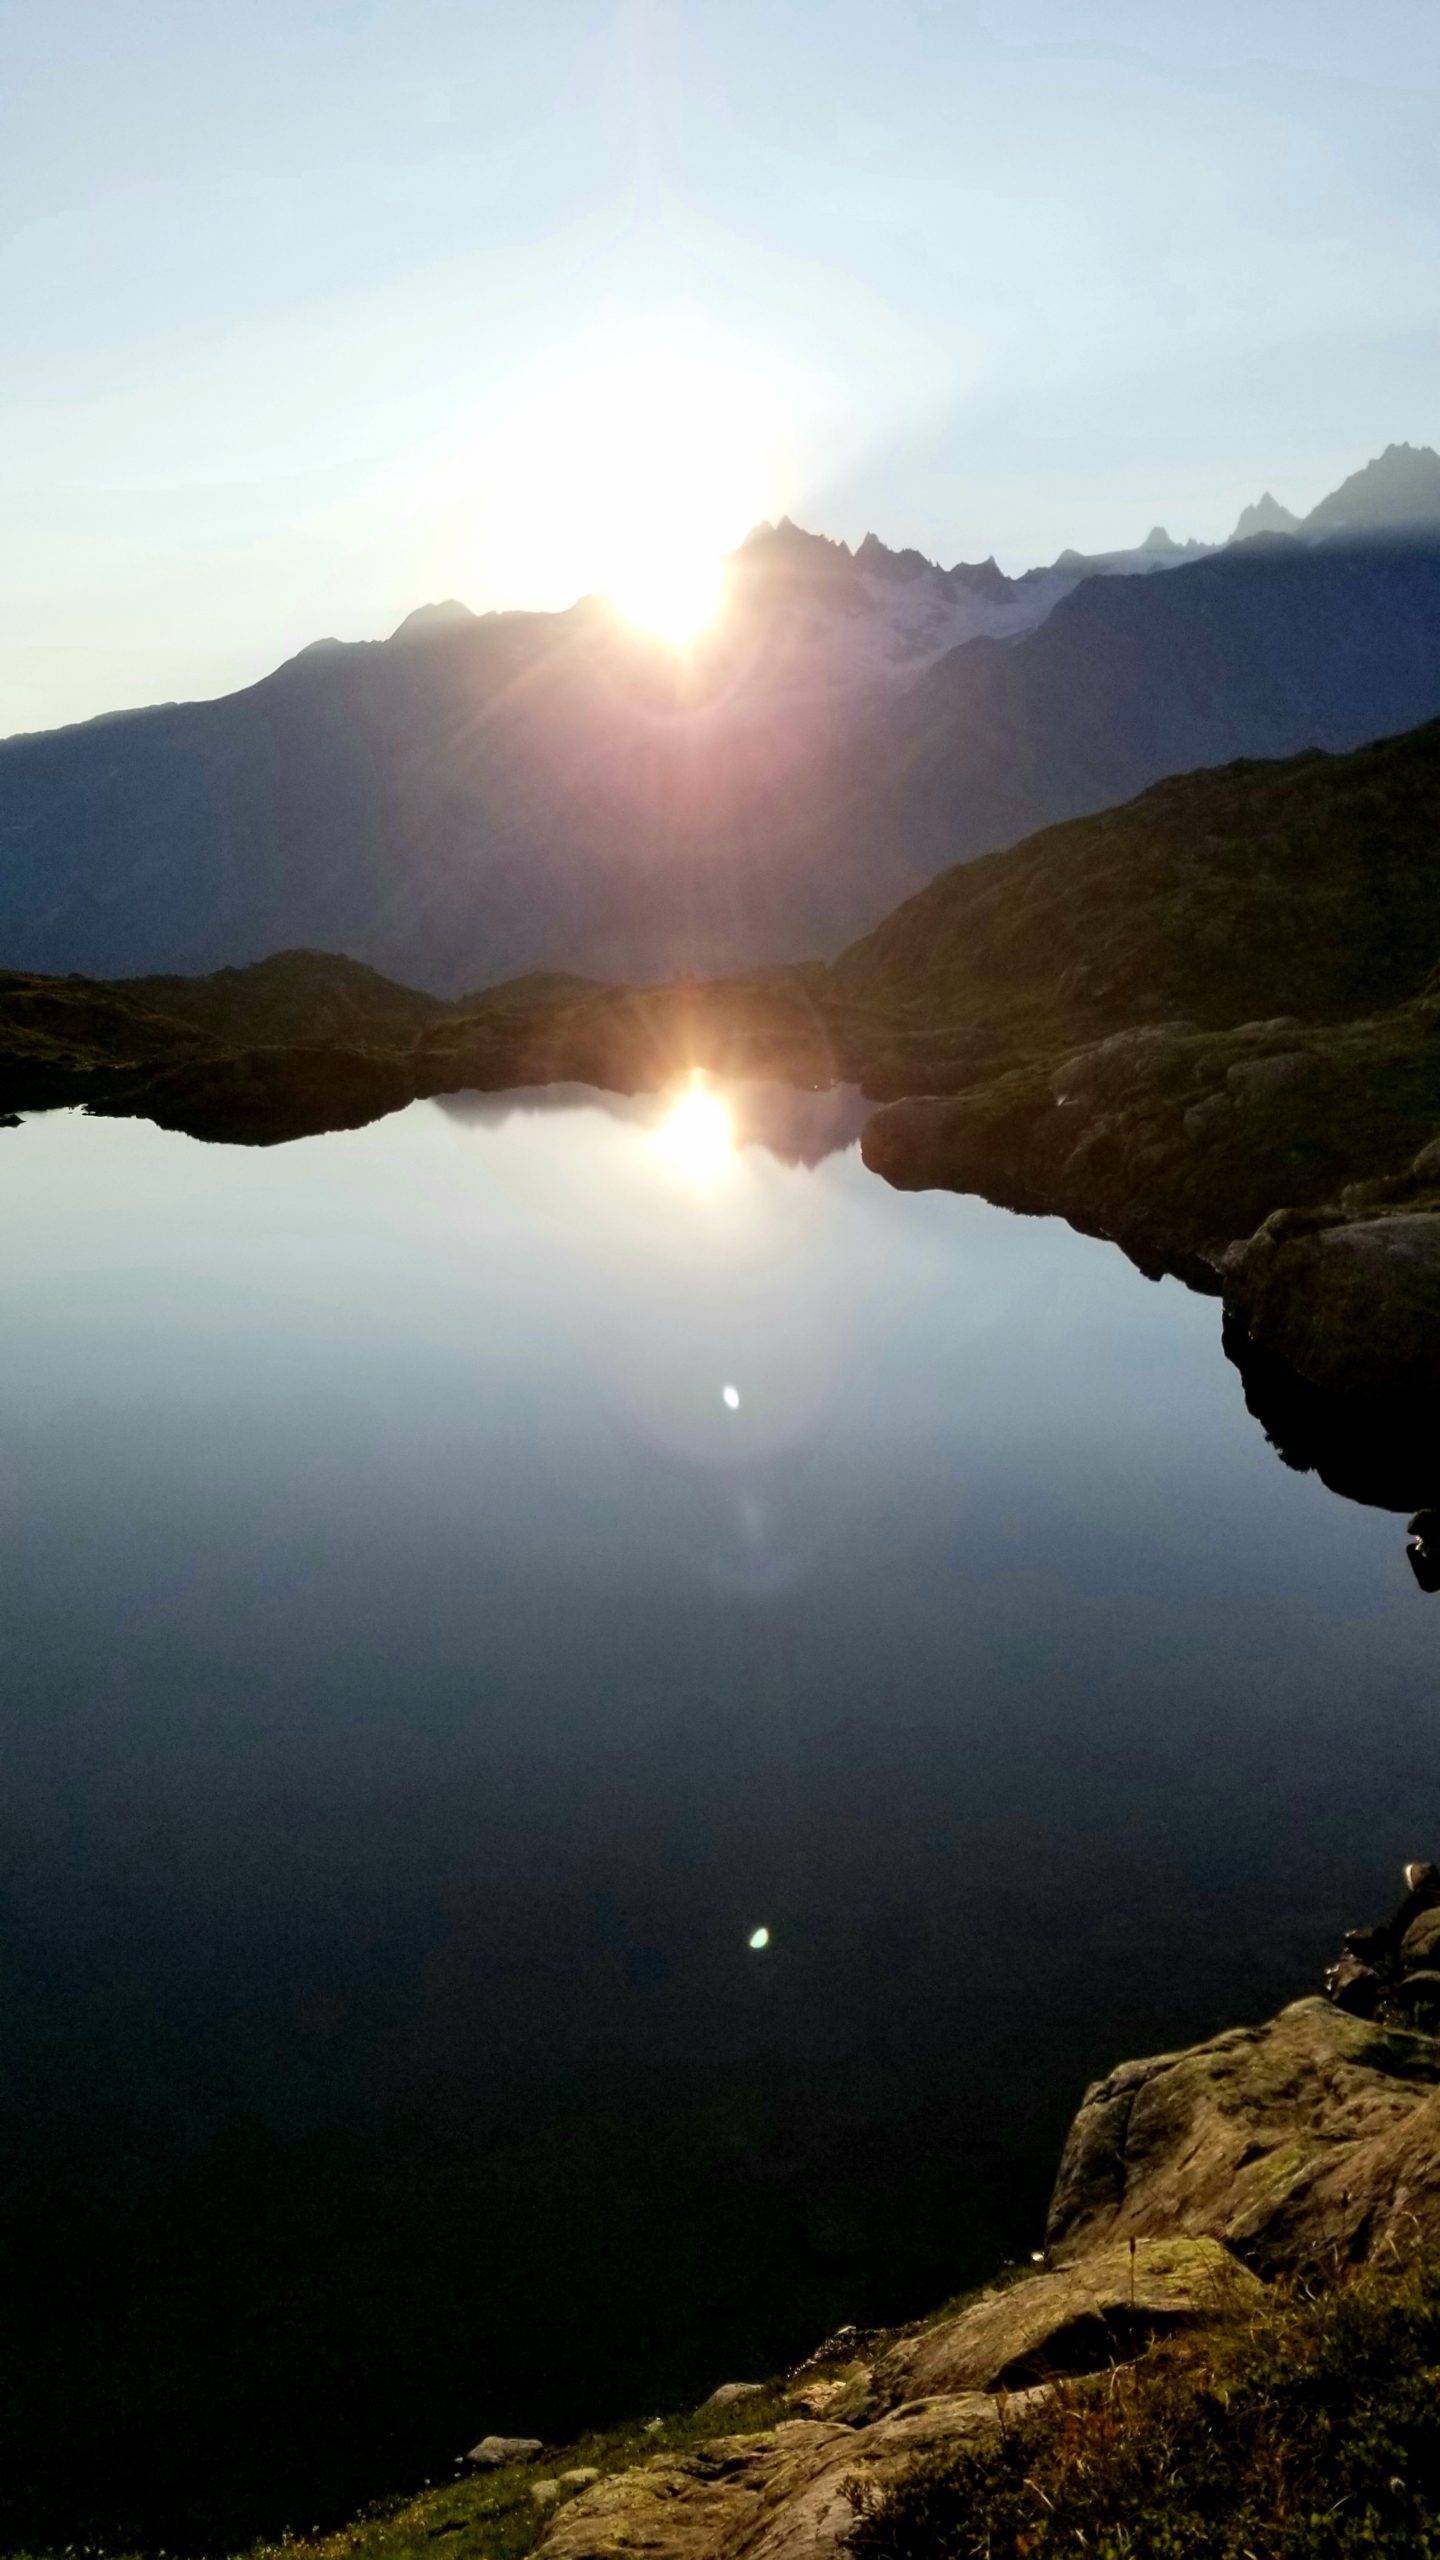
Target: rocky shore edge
(1291, 1168)
(1193, 2187)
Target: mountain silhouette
(481, 796)
(1396, 493)
(1265, 516)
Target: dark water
(420, 1681)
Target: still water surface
(466, 1578)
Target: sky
(317, 309)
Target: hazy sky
(312, 309)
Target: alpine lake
(605, 1720)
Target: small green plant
(495, 2516)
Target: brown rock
(1355, 1986)
(1420, 1946)
(782, 2494)
(1314, 2135)
(1351, 1306)
(1073, 2319)
(778, 2495)
(819, 2399)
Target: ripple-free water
(594, 1753)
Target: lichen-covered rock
(1072, 2319)
(783, 2494)
(492, 2451)
(1315, 2135)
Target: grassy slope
(1229, 987)
(1308, 2432)
(1307, 890)
(1308, 887)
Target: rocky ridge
(482, 795)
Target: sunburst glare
(671, 592)
(697, 1134)
(629, 465)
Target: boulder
(1311, 2138)
(1250, 1079)
(1420, 1946)
(1203, 1119)
(729, 2391)
(821, 2399)
(1069, 2320)
(492, 2451)
(1354, 1985)
(1349, 1306)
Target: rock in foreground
(1307, 2141)
(785, 2492)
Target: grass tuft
(1309, 2430)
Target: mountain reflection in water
(794, 1126)
(460, 1583)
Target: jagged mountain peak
(1400, 488)
(875, 554)
(984, 578)
(785, 547)
(1265, 515)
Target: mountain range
(480, 796)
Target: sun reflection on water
(697, 1134)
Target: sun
(672, 593)
(697, 1134)
(630, 467)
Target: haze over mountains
(481, 796)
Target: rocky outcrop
(1314, 2137)
(1392, 1971)
(788, 2490)
(1072, 2319)
(1351, 1304)
(781, 2494)
(1188, 2182)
